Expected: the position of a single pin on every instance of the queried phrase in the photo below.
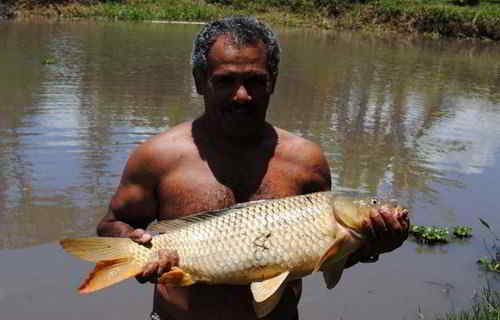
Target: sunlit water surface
(409, 119)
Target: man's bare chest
(201, 186)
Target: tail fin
(113, 256)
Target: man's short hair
(243, 31)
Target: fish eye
(373, 201)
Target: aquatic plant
(486, 307)
(49, 60)
(430, 234)
(436, 234)
(462, 231)
(492, 262)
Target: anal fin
(267, 294)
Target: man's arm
(135, 205)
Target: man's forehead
(227, 48)
(237, 40)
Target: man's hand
(388, 232)
(153, 270)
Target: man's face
(237, 86)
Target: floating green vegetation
(430, 234)
(49, 60)
(436, 234)
(487, 307)
(492, 262)
(462, 231)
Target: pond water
(417, 120)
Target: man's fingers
(149, 273)
(392, 222)
(151, 278)
(146, 237)
(404, 220)
(368, 229)
(168, 259)
(140, 236)
(164, 265)
(378, 223)
(150, 269)
(153, 270)
(136, 234)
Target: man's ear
(200, 81)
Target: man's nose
(242, 95)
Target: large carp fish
(262, 243)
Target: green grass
(486, 308)
(136, 10)
(433, 17)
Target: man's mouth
(238, 111)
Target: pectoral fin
(267, 293)
(334, 253)
(333, 273)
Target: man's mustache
(246, 107)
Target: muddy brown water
(417, 120)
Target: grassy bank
(432, 17)
(486, 307)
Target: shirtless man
(230, 154)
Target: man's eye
(223, 81)
(256, 82)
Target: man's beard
(241, 120)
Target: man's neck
(217, 138)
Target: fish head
(352, 212)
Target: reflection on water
(416, 120)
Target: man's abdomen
(210, 302)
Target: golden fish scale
(254, 242)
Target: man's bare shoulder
(306, 155)
(298, 149)
(165, 149)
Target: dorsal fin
(165, 226)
